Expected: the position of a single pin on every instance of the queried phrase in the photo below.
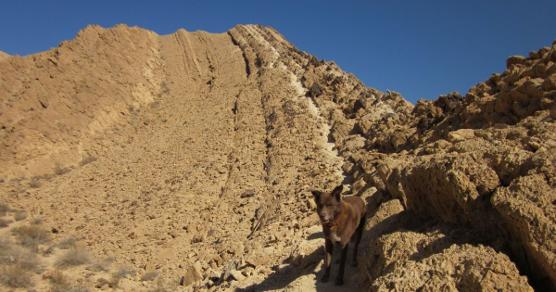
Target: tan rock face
(467, 161)
(192, 154)
(456, 268)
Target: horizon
(423, 50)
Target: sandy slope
(201, 154)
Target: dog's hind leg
(358, 235)
(329, 249)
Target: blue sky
(419, 48)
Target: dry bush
(60, 283)
(149, 276)
(101, 266)
(15, 255)
(25, 259)
(73, 257)
(31, 235)
(4, 244)
(4, 209)
(20, 215)
(4, 222)
(69, 242)
(121, 273)
(16, 265)
(36, 221)
(14, 276)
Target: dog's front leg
(340, 278)
(329, 249)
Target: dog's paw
(339, 281)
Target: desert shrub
(4, 209)
(31, 235)
(14, 276)
(25, 259)
(36, 221)
(4, 244)
(4, 222)
(149, 276)
(60, 283)
(67, 243)
(20, 215)
(121, 273)
(73, 257)
(101, 266)
(15, 255)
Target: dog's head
(328, 204)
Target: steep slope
(167, 151)
(192, 154)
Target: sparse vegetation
(69, 242)
(16, 265)
(15, 255)
(60, 283)
(14, 276)
(4, 222)
(20, 215)
(101, 266)
(4, 209)
(73, 257)
(36, 221)
(31, 235)
(121, 273)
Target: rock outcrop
(484, 162)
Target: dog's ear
(337, 192)
(316, 195)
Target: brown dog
(341, 219)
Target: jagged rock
(457, 268)
(237, 275)
(513, 60)
(192, 274)
(527, 208)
